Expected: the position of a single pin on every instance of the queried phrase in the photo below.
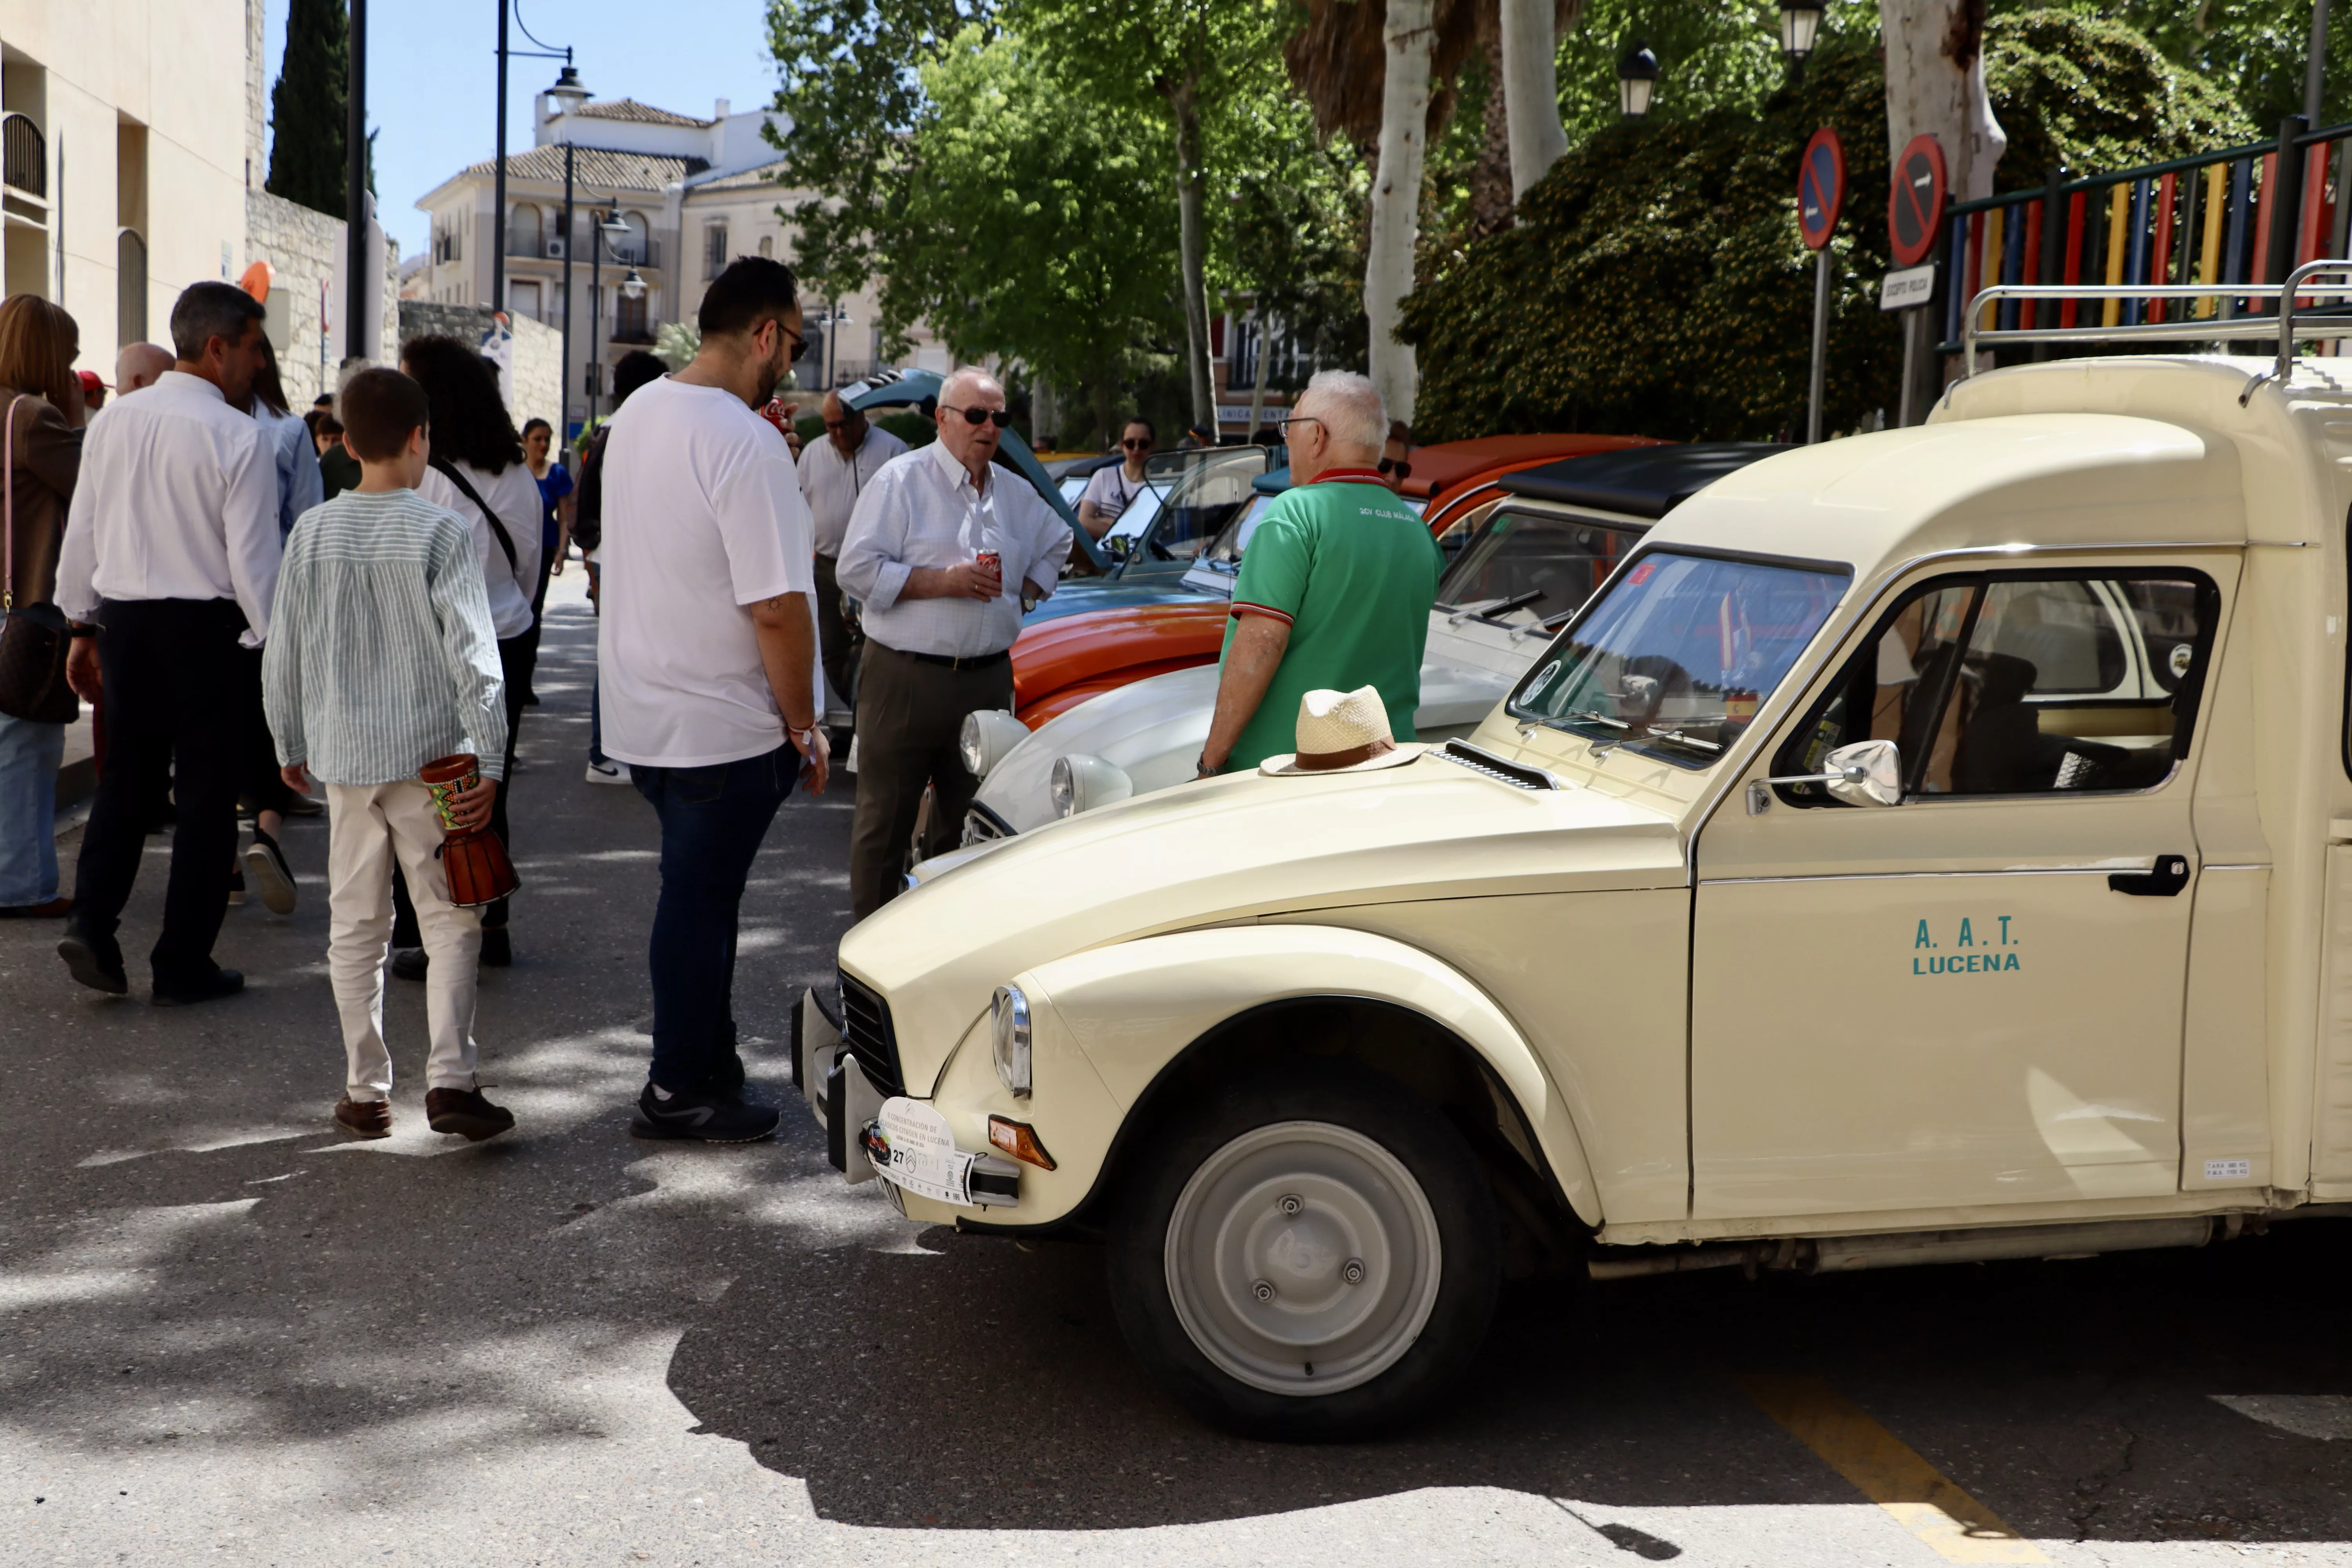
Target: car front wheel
(1309, 1256)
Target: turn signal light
(1018, 1140)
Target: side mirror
(1866, 772)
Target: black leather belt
(950, 661)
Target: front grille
(865, 1030)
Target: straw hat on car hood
(1341, 732)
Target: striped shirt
(381, 656)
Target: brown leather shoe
(364, 1118)
(465, 1112)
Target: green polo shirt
(1354, 572)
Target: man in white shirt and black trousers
(834, 473)
(940, 551)
(706, 650)
(171, 548)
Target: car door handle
(2168, 876)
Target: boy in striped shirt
(381, 658)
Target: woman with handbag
(40, 457)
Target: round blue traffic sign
(1820, 187)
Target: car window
(1678, 654)
(1525, 568)
(1212, 492)
(2018, 684)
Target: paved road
(226, 1334)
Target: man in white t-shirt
(706, 650)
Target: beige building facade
(688, 195)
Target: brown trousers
(910, 723)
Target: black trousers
(262, 787)
(175, 688)
(513, 655)
(837, 639)
(909, 734)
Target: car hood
(1077, 595)
(1235, 848)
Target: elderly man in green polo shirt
(1335, 589)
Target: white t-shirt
(1111, 490)
(513, 494)
(703, 518)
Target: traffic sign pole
(1820, 195)
(1820, 345)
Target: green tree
(1029, 224)
(849, 81)
(309, 109)
(2254, 51)
(1654, 283)
(1182, 59)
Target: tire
(1231, 1253)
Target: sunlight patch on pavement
(114, 1254)
(1888, 1472)
(197, 1141)
(2327, 1416)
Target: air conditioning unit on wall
(555, 250)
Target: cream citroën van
(1930, 845)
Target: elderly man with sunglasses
(834, 473)
(939, 553)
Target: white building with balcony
(659, 202)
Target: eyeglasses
(1400, 468)
(801, 345)
(1282, 427)
(1000, 417)
(1136, 446)
(842, 424)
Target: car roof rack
(2292, 320)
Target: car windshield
(1677, 656)
(1525, 570)
(1235, 537)
(1214, 491)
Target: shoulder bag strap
(449, 471)
(8, 510)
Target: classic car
(1531, 560)
(1930, 845)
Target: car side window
(2023, 684)
(1539, 568)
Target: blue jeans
(712, 820)
(29, 755)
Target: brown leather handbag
(473, 859)
(34, 638)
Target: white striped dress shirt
(381, 657)
(922, 509)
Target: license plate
(911, 1147)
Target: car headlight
(1009, 1030)
(1082, 782)
(988, 733)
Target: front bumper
(905, 1142)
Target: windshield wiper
(1676, 735)
(1489, 609)
(1591, 717)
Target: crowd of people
(366, 584)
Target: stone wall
(305, 247)
(538, 351)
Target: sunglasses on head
(1000, 417)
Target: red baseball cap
(89, 382)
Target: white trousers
(367, 825)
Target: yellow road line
(1887, 1472)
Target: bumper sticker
(911, 1147)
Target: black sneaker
(95, 960)
(409, 963)
(709, 1118)
(271, 874)
(202, 988)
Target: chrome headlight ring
(1009, 1039)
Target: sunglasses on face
(1136, 446)
(1000, 417)
(1401, 469)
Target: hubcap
(1303, 1258)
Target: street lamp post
(611, 224)
(568, 95)
(1637, 80)
(498, 168)
(1801, 25)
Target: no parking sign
(1820, 187)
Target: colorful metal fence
(2218, 218)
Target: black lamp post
(568, 95)
(597, 232)
(1801, 25)
(1637, 79)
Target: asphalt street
(228, 1334)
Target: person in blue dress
(554, 532)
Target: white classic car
(1532, 559)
